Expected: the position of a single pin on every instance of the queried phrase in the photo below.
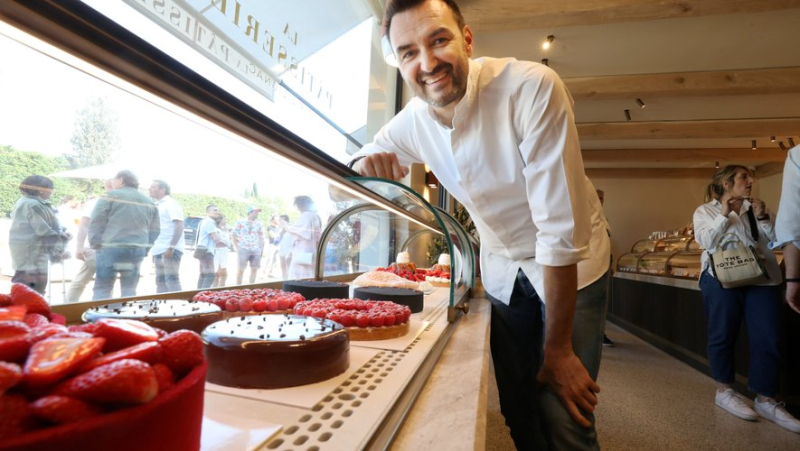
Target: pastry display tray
(342, 413)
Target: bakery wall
(636, 207)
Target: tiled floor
(651, 401)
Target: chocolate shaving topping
(260, 327)
(261, 336)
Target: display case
(364, 236)
(629, 262)
(654, 263)
(685, 264)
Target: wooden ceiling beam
(687, 84)
(724, 156)
(737, 128)
(650, 173)
(765, 170)
(503, 15)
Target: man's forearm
(791, 258)
(177, 233)
(560, 292)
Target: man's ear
(468, 40)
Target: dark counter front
(668, 313)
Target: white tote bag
(736, 264)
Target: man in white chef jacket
(500, 136)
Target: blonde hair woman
(730, 209)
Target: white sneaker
(733, 403)
(776, 412)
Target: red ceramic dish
(172, 421)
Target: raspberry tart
(365, 320)
(245, 302)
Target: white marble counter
(450, 413)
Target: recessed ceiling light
(546, 44)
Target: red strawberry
(13, 313)
(164, 376)
(72, 335)
(121, 333)
(54, 359)
(63, 409)
(182, 351)
(10, 329)
(14, 349)
(86, 327)
(124, 381)
(10, 375)
(35, 319)
(148, 352)
(5, 299)
(22, 294)
(55, 318)
(46, 331)
(161, 332)
(15, 416)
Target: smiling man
(500, 135)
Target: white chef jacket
(513, 160)
(710, 226)
(787, 224)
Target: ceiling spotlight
(791, 142)
(546, 62)
(772, 139)
(754, 145)
(546, 43)
(781, 145)
(628, 114)
(716, 164)
(640, 103)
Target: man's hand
(793, 295)
(80, 254)
(169, 253)
(566, 376)
(382, 164)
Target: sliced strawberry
(182, 351)
(124, 381)
(16, 416)
(14, 349)
(10, 329)
(5, 299)
(148, 352)
(121, 333)
(161, 332)
(56, 318)
(13, 313)
(46, 331)
(69, 334)
(35, 319)
(164, 376)
(24, 295)
(10, 375)
(87, 327)
(64, 409)
(54, 359)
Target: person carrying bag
(741, 281)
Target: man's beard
(456, 90)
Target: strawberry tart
(275, 351)
(244, 302)
(169, 315)
(364, 320)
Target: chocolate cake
(169, 315)
(275, 351)
(413, 299)
(314, 289)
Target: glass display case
(363, 236)
(629, 262)
(678, 243)
(685, 264)
(654, 263)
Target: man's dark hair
(304, 203)
(398, 6)
(34, 185)
(129, 179)
(285, 217)
(210, 206)
(162, 185)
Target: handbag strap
(753, 224)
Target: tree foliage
(195, 205)
(95, 139)
(15, 165)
